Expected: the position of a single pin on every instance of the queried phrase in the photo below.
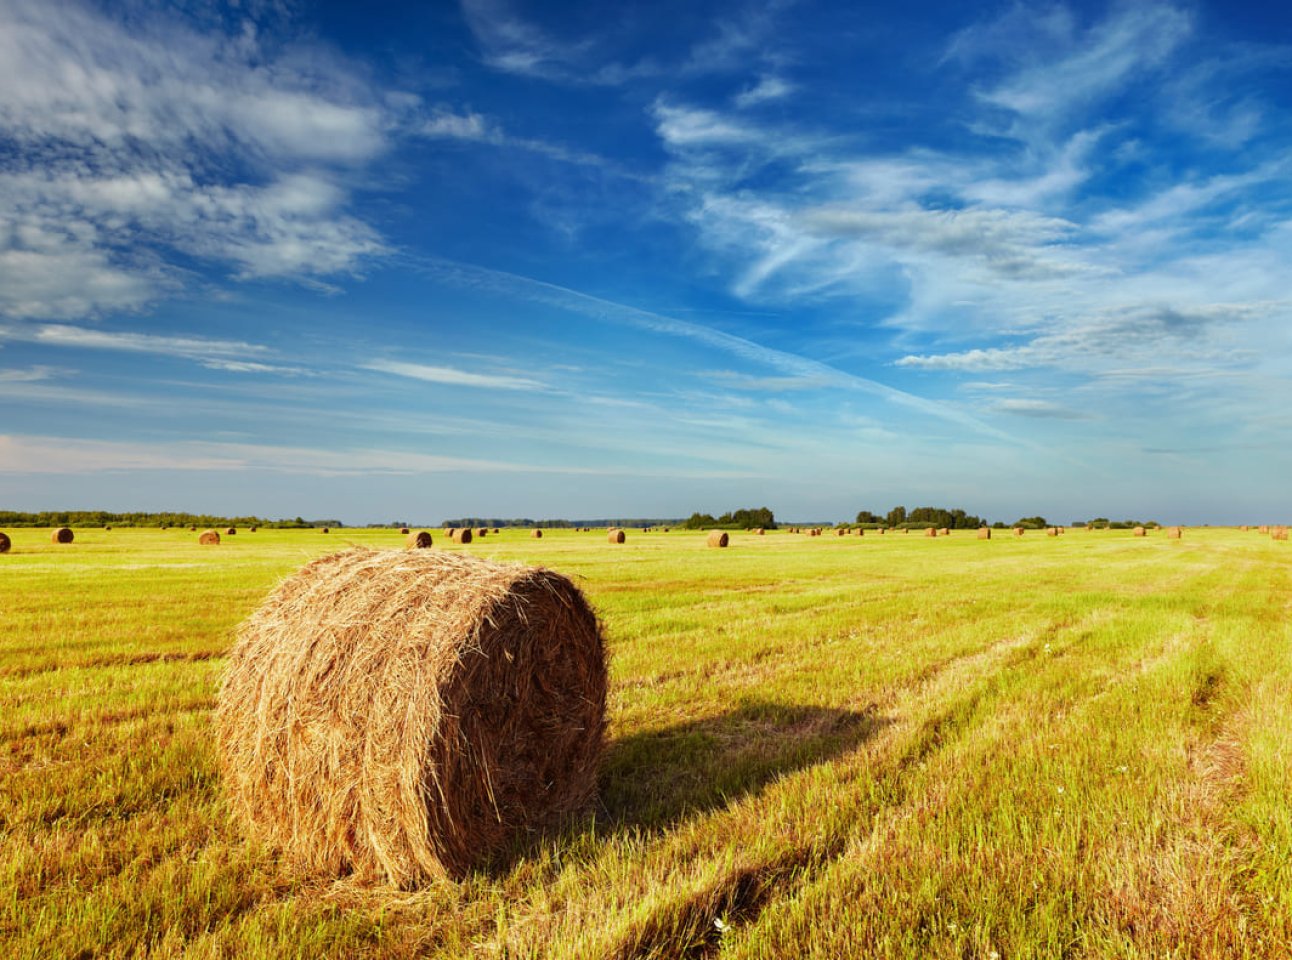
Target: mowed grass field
(821, 747)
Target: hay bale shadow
(651, 780)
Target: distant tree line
(921, 517)
(744, 519)
(105, 518)
(1103, 523)
(640, 522)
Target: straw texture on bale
(984, 533)
(5, 543)
(1051, 531)
(841, 532)
(537, 534)
(420, 540)
(861, 532)
(1173, 533)
(615, 536)
(1018, 531)
(62, 535)
(462, 536)
(403, 715)
(209, 538)
(931, 532)
(718, 538)
(1140, 532)
(449, 531)
(1279, 533)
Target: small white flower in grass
(1047, 648)
(1123, 769)
(1060, 789)
(721, 924)
(994, 955)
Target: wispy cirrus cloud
(85, 338)
(452, 376)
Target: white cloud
(767, 89)
(452, 376)
(65, 335)
(29, 374)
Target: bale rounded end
(615, 536)
(62, 535)
(419, 541)
(536, 534)
(209, 538)
(718, 538)
(462, 536)
(5, 543)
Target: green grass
(827, 747)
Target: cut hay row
(392, 769)
(718, 538)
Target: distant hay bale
(209, 538)
(841, 532)
(881, 531)
(463, 705)
(1173, 533)
(984, 533)
(192, 529)
(666, 529)
(462, 535)
(326, 530)
(1262, 529)
(1279, 533)
(231, 531)
(536, 534)
(257, 530)
(944, 532)
(107, 529)
(450, 531)
(1140, 532)
(1018, 531)
(404, 531)
(420, 540)
(1051, 531)
(5, 543)
(62, 535)
(718, 538)
(759, 532)
(615, 535)
(494, 530)
(931, 532)
(482, 532)
(861, 532)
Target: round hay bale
(1140, 532)
(718, 538)
(482, 532)
(759, 532)
(615, 536)
(107, 529)
(931, 532)
(536, 534)
(462, 536)
(209, 538)
(666, 529)
(1279, 533)
(62, 535)
(257, 530)
(984, 533)
(419, 540)
(231, 531)
(494, 530)
(404, 531)
(1174, 533)
(1018, 531)
(5, 543)
(1051, 531)
(450, 531)
(326, 530)
(192, 529)
(861, 532)
(944, 532)
(1262, 529)
(404, 714)
(881, 531)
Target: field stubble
(830, 747)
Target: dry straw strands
(1018, 531)
(462, 536)
(1139, 532)
(615, 535)
(1279, 533)
(402, 715)
(5, 543)
(62, 535)
(536, 534)
(1173, 533)
(420, 540)
(449, 531)
(984, 533)
(718, 538)
(209, 538)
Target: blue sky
(518, 259)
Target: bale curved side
(209, 538)
(5, 543)
(536, 534)
(462, 536)
(419, 541)
(404, 530)
(231, 531)
(984, 533)
(718, 538)
(405, 714)
(615, 536)
(62, 535)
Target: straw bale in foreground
(1279, 533)
(403, 715)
